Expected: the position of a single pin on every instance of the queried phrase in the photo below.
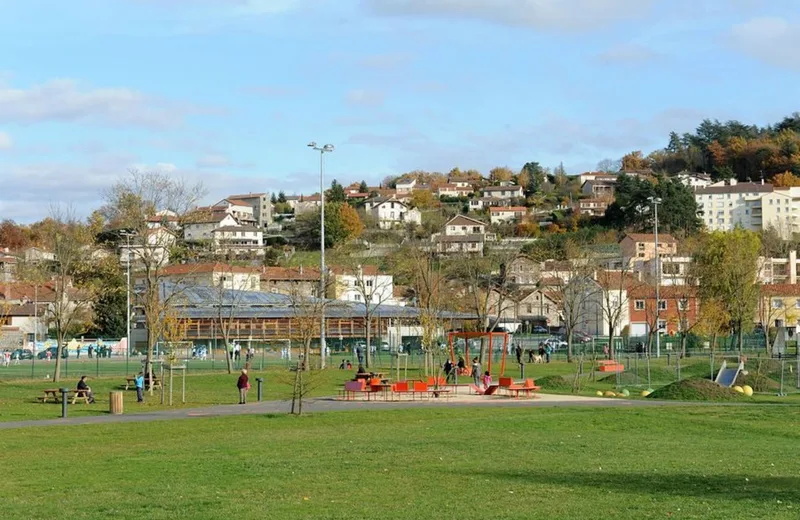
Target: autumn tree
(501, 174)
(634, 161)
(13, 236)
(727, 272)
(785, 180)
(424, 199)
(342, 224)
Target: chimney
(301, 269)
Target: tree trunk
(306, 356)
(57, 371)
(683, 346)
(482, 354)
(611, 343)
(569, 346)
(740, 340)
(226, 340)
(368, 353)
(767, 344)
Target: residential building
(524, 310)
(239, 240)
(640, 247)
(461, 182)
(592, 176)
(694, 180)
(8, 265)
(164, 218)
(507, 214)
(462, 234)
(675, 270)
(291, 281)
(592, 207)
(453, 190)
(262, 207)
(753, 206)
(35, 254)
(20, 324)
(600, 187)
(307, 203)
(479, 203)
(152, 250)
(523, 271)
(405, 186)
(232, 277)
(364, 284)
(779, 306)
(676, 304)
(241, 211)
(502, 192)
(201, 227)
(391, 213)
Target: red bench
(528, 387)
(353, 388)
(610, 366)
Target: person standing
(243, 384)
(518, 353)
(476, 371)
(139, 382)
(547, 351)
(448, 370)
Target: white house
(453, 190)
(694, 180)
(507, 214)
(238, 239)
(242, 211)
(19, 324)
(390, 212)
(153, 249)
(461, 182)
(214, 275)
(462, 234)
(202, 227)
(502, 192)
(307, 203)
(363, 284)
(405, 186)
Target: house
(242, 211)
(307, 203)
(523, 271)
(390, 212)
(502, 192)
(677, 305)
(640, 247)
(238, 239)
(201, 226)
(462, 234)
(20, 325)
(461, 182)
(592, 176)
(781, 270)
(507, 214)
(262, 207)
(8, 265)
(152, 250)
(694, 180)
(300, 281)
(292, 200)
(779, 306)
(213, 275)
(164, 218)
(675, 270)
(35, 254)
(601, 187)
(592, 207)
(405, 186)
(453, 190)
(364, 284)
(526, 310)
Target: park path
(332, 405)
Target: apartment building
(753, 206)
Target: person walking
(139, 382)
(243, 384)
(547, 351)
(518, 353)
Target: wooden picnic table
(55, 393)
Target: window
(357, 297)
(797, 303)
(638, 305)
(369, 283)
(662, 325)
(476, 229)
(777, 303)
(683, 304)
(662, 305)
(530, 308)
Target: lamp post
(328, 148)
(127, 235)
(656, 201)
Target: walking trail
(330, 404)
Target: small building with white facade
(501, 215)
(391, 213)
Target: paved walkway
(335, 405)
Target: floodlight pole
(656, 201)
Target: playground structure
(727, 376)
(466, 336)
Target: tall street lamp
(328, 148)
(655, 201)
(127, 235)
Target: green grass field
(565, 463)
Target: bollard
(522, 370)
(64, 392)
(668, 358)
(260, 383)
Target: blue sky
(230, 91)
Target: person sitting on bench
(86, 388)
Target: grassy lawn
(709, 463)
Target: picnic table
(55, 394)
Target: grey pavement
(318, 405)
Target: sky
(229, 92)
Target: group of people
(543, 352)
(345, 365)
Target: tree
(423, 199)
(350, 221)
(786, 180)
(363, 188)
(307, 315)
(615, 286)
(13, 236)
(727, 272)
(228, 299)
(71, 307)
(281, 197)
(336, 193)
(110, 293)
(273, 199)
(501, 174)
(128, 205)
(536, 177)
(342, 223)
(632, 207)
(634, 161)
(609, 165)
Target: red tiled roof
(780, 289)
(238, 202)
(289, 273)
(509, 209)
(27, 291)
(181, 269)
(649, 237)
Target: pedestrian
(518, 353)
(91, 351)
(476, 371)
(48, 355)
(17, 355)
(78, 352)
(462, 365)
(530, 355)
(243, 384)
(343, 365)
(359, 355)
(139, 382)
(448, 370)
(547, 351)
(541, 350)
(487, 379)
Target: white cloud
(362, 97)
(66, 100)
(628, 54)
(556, 15)
(5, 141)
(769, 39)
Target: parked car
(581, 337)
(22, 353)
(539, 329)
(555, 343)
(53, 352)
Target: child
(487, 379)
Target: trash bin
(115, 403)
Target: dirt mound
(695, 389)
(554, 383)
(759, 383)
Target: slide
(727, 376)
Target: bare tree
(132, 205)
(306, 317)
(229, 292)
(615, 286)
